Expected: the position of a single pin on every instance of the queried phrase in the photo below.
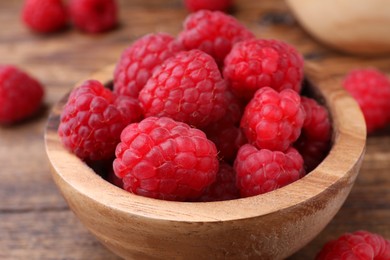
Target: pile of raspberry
(89, 16)
(212, 114)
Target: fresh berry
(44, 16)
(20, 95)
(261, 171)
(214, 5)
(94, 16)
(314, 142)
(140, 60)
(224, 187)
(212, 32)
(360, 245)
(371, 89)
(93, 119)
(258, 63)
(188, 88)
(226, 133)
(273, 120)
(165, 159)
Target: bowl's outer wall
(273, 236)
(358, 27)
(268, 226)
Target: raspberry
(371, 89)
(226, 133)
(273, 120)
(20, 95)
(261, 171)
(224, 187)
(215, 5)
(358, 245)
(259, 63)
(314, 142)
(93, 16)
(212, 32)
(92, 120)
(188, 88)
(44, 16)
(140, 60)
(164, 159)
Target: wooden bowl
(269, 226)
(357, 27)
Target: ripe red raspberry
(212, 32)
(224, 187)
(261, 171)
(371, 89)
(188, 88)
(94, 16)
(314, 142)
(44, 16)
(259, 63)
(226, 133)
(215, 5)
(361, 245)
(92, 120)
(20, 95)
(164, 159)
(140, 60)
(273, 120)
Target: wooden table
(36, 223)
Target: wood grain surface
(35, 222)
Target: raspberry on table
(94, 16)
(93, 119)
(45, 16)
(258, 63)
(214, 5)
(261, 171)
(213, 32)
(165, 159)
(314, 142)
(20, 95)
(188, 88)
(273, 120)
(140, 60)
(371, 89)
(224, 187)
(357, 245)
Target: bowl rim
(349, 139)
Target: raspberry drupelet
(261, 171)
(258, 63)
(188, 88)
(359, 245)
(93, 119)
(273, 120)
(140, 60)
(20, 95)
(213, 32)
(165, 159)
